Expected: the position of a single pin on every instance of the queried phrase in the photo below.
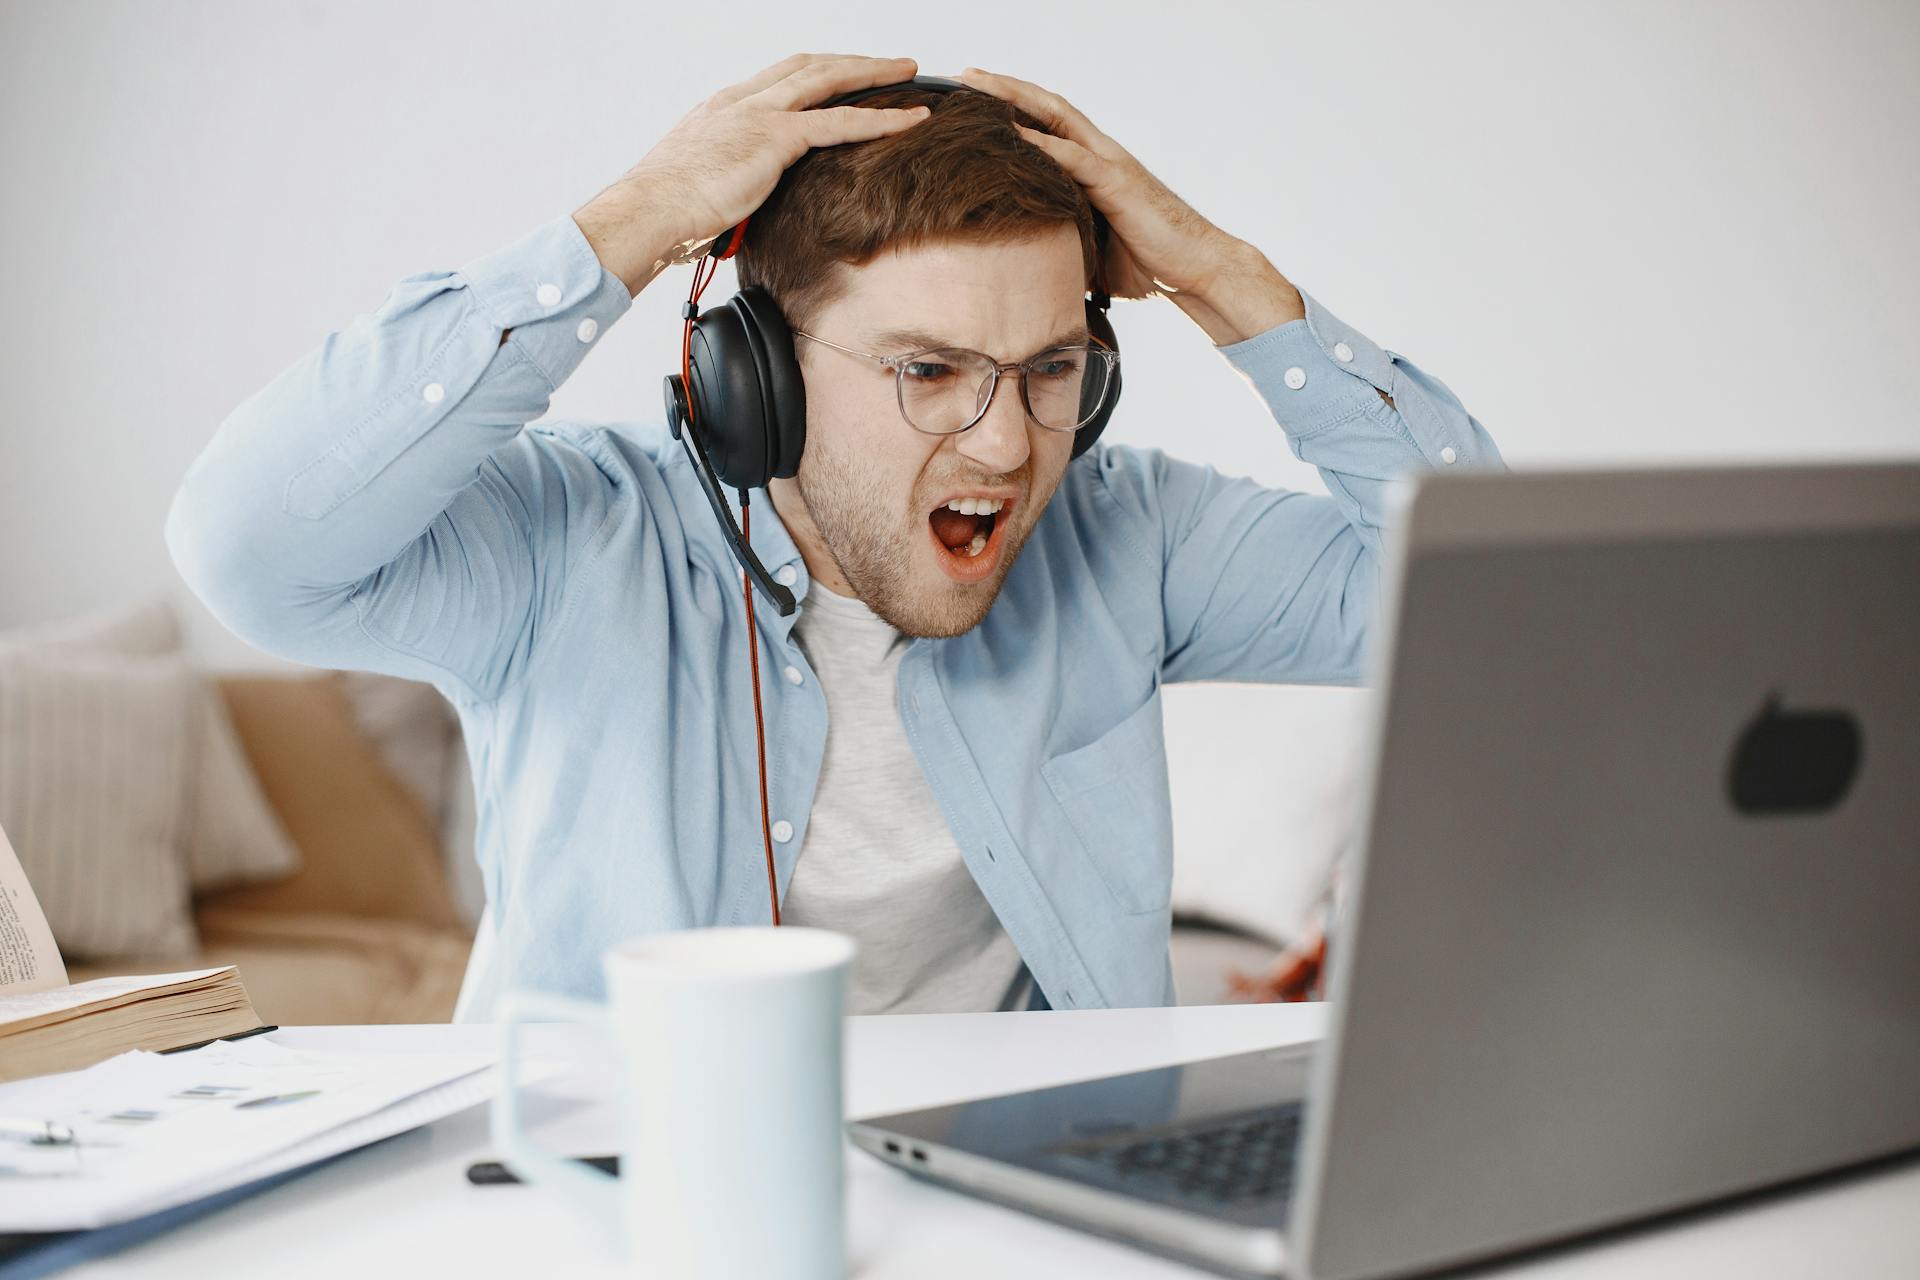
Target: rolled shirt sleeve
(1274, 585)
(373, 488)
(1320, 378)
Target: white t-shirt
(879, 861)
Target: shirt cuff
(1315, 372)
(550, 289)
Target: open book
(47, 1024)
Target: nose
(999, 442)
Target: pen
(45, 1133)
(487, 1172)
(201, 1044)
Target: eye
(1058, 364)
(926, 370)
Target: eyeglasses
(943, 390)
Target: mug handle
(593, 1190)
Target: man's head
(958, 229)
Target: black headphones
(748, 420)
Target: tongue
(952, 528)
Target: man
(965, 761)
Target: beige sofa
(367, 930)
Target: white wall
(1617, 231)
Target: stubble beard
(863, 532)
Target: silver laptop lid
(1634, 918)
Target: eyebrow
(921, 340)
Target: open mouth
(965, 533)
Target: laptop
(1630, 923)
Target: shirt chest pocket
(1115, 796)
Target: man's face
(868, 483)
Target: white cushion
(1264, 781)
(95, 752)
(231, 834)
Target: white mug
(728, 1050)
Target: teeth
(978, 544)
(976, 506)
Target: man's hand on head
(1161, 245)
(724, 157)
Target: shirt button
(1343, 353)
(549, 294)
(433, 393)
(587, 329)
(785, 575)
(1296, 377)
(793, 675)
(1447, 455)
(783, 831)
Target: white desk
(404, 1207)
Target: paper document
(154, 1130)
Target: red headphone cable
(703, 274)
(759, 729)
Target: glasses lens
(943, 391)
(1066, 386)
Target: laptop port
(893, 1148)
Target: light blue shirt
(384, 505)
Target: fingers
(1061, 117)
(776, 73)
(818, 81)
(834, 125)
(1081, 165)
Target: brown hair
(962, 173)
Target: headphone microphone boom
(739, 405)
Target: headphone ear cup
(724, 397)
(783, 390)
(746, 392)
(1102, 328)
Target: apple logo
(1800, 761)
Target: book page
(20, 1005)
(29, 961)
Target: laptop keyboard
(1249, 1156)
